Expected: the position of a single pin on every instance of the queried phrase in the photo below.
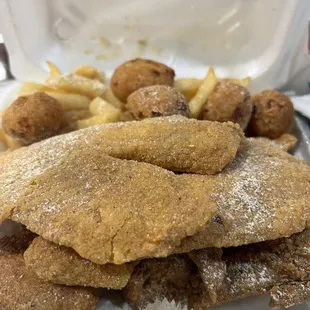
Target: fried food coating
(229, 102)
(138, 73)
(288, 295)
(263, 194)
(223, 276)
(155, 101)
(254, 270)
(175, 143)
(62, 265)
(285, 142)
(273, 114)
(22, 289)
(33, 118)
(157, 279)
(113, 211)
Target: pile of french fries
(198, 91)
(88, 101)
(83, 94)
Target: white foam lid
(238, 38)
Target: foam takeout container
(264, 39)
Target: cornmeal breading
(263, 194)
(270, 267)
(175, 143)
(114, 211)
(22, 289)
(62, 265)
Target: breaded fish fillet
(22, 289)
(62, 265)
(156, 279)
(257, 269)
(285, 142)
(263, 194)
(111, 210)
(270, 267)
(175, 143)
(288, 295)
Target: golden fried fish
(285, 142)
(175, 143)
(111, 210)
(263, 194)
(62, 265)
(270, 267)
(264, 268)
(22, 289)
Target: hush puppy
(157, 100)
(138, 73)
(229, 102)
(33, 118)
(273, 114)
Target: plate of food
(152, 193)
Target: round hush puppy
(273, 114)
(229, 102)
(138, 73)
(33, 118)
(157, 100)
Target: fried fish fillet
(111, 210)
(175, 143)
(270, 267)
(22, 289)
(156, 279)
(62, 265)
(285, 142)
(287, 295)
(263, 194)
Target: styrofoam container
(264, 39)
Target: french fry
(100, 77)
(29, 88)
(70, 101)
(86, 71)
(99, 119)
(109, 96)
(188, 87)
(75, 115)
(90, 73)
(103, 113)
(74, 83)
(53, 70)
(206, 88)
(101, 106)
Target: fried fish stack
(153, 207)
